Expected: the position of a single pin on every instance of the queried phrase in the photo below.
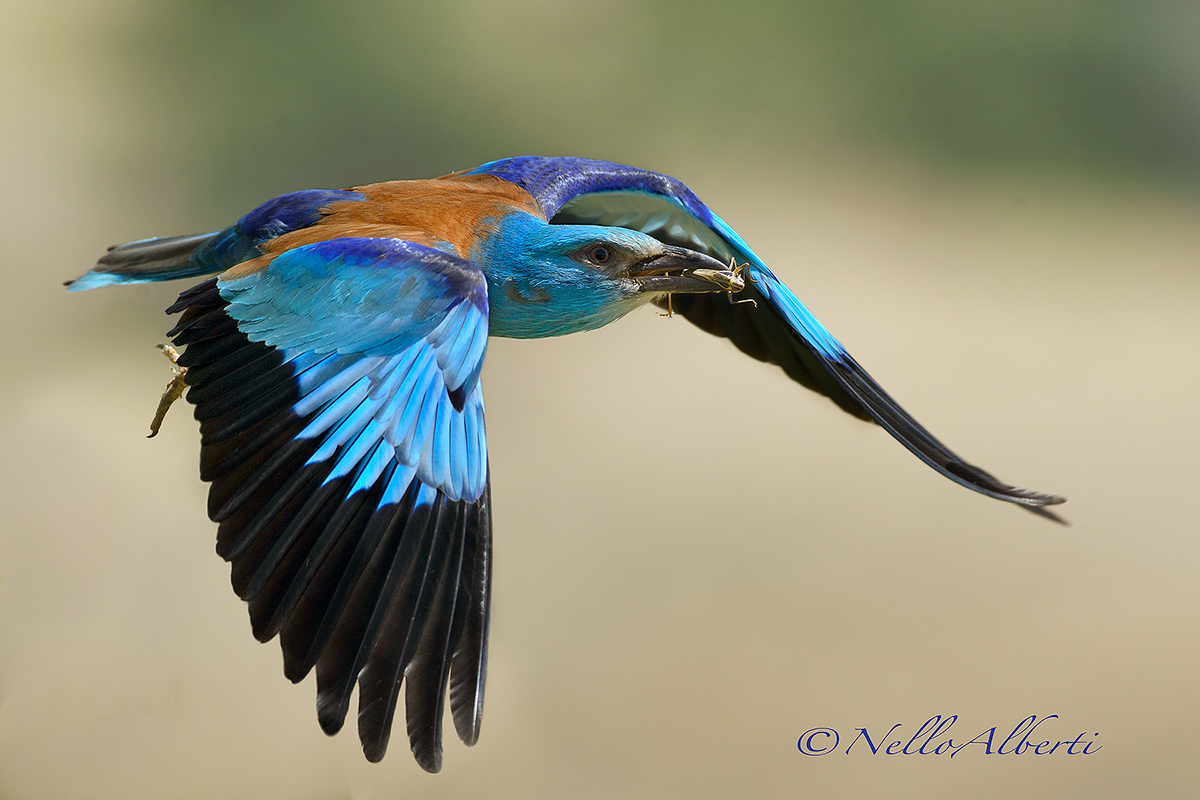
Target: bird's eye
(599, 254)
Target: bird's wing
(774, 327)
(337, 389)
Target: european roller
(334, 365)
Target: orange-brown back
(454, 209)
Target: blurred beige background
(696, 560)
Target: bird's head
(567, 278)
(631, 262)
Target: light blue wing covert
(342, 431)
(775, 327)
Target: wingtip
(430, 758)
(331, 714)
(1042, 511)
(374, 752)
(1034, 502)
(1033, 498)
(467, 716)
(468, 732)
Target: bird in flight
(334, 365)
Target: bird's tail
(149, 260)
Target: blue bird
(334, 364)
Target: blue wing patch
(410, 323)
(342, 430)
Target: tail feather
(148, 260)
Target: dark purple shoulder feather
(554, 181)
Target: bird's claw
(173, 391)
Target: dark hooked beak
(683, 271)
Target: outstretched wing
(775, 327)
(341, 416)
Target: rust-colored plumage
(454, 209)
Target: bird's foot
(174, 389)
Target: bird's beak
(681, 271)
